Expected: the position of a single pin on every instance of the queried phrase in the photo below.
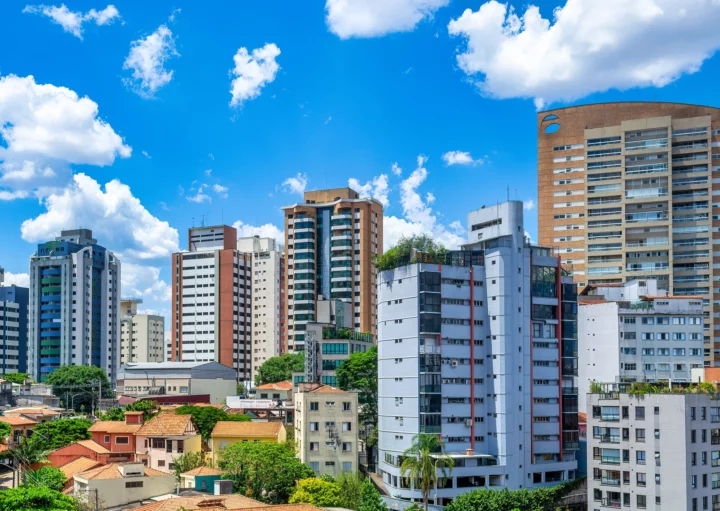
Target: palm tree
(27, 452)
(419, 465)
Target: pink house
(118, 437)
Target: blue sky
(355, 88)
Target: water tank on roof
(223, 487)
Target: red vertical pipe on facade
(472, 357)
(558, 331)
(532, 386)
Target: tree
(18, 378)
(188, 461)
(28, 451)
(118, 413)
(62, 432)
(36, 498)
(263, 471)
(49, 477)
(350, 489)
(401, 253)
(280, 368)
(205, 417)
(359, 374)
(317, 492)
(5, 431)
(370, 499)
(81, 382)
(419, 465)
(539, 499)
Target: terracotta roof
(32, 411)
(17, 421)
(3, 447)
(203, 471)
(234, 411)
(591, 302)
(582, 417)
(132, 413)
(712, 374)
(232, 428)
(93, 446)
(78, 465)
(224, 502)
(220, 406)
(112, 471)
(281, 385)
(165, 424)
(327, 389)
(113, 427)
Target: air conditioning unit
(468, 422)
(454, 363)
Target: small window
(122, 440)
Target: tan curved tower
(625, 191)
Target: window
(657, 479)
(329, 463)
(347, 446)
(314, 446)
(347, 426)
(123, 440)
(692, 413)
(641, 479)
(640, 457)
(693, 482)
(347, 466)
(158, 443)
(641, 501)
(315, 465)
(107, 439)
(134, 484)
(347, 406)
(314, 406)
(169, 446)
(639, 435)
(640, 413)
(161, 463)
(180, 446)
(693, 436)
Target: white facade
(10, 337)
(656, 451)
(141, 335)
(457, 357)
(639, 337)
(266, 297)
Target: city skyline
(333, 95)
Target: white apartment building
(326, 428)
(655, 451)
(267, 297)
(634, 332)
(458, 356)
(141, 335)
(13, 327)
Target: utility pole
(97, 500)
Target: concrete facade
(141, 335)
(625, 191)
(13, 328)
(121, 484)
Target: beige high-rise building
(268, 292)
(141, 335)
(330, 241)
(626, 191)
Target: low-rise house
(20, 427)
(326, 431)
(201, 478)
(165, 437)
(227, 433)
(81, 464)
(121, 484)
(118, 436)
(280, 391)
(219, 503)
(83, 448)
(38, 414)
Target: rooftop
(249, 429)
(81, 464)
(203, 471)
(166, 424)
(207, 503)
(112, 471)
(93, 446)
(114, 427)
(17, 421)
(281, 385)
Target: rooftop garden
(660, 387)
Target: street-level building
(141, 335)
(481, 349)
(211, 289)
(326, 428)
(164, 438)
(330, 240)
(74, 309)
(119, 484)
(13, 327)
(634, 332)
(653, 451)
(626, 191)
(227, 433)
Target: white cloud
(395, 168)
(113, 214)
(19, 279)
(377, 188)
(328, 119)
(141, 281)
(211, 156)
(72, 21)
(529, 205)
(589, 46)
(147, 60)
(252, 72)
(146, 155)
(264, 231)
(296, 184)
(373, 18)
(200, 196)
(6, 195)
(460, 158)
(208, 172)
(222, 191)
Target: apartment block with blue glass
(13, 327)
(74, 309)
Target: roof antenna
(193, 222)
(508, 193)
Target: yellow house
(229, 432)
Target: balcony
(611, 503)
(608, 481)
(608, 439)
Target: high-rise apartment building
(141, 335)
(211, 287)
(268, 290)
(632, 332)
(626, 191)
(330, 241)
(13, 327)
(460, 355)
(653, 451)
(74, 309)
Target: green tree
(263, 471)
(280, 368)
(118, 413)
(540, 499)
(28, 451)
(370, 499)
(419, 465)
(62, 432)
(206, 417)
(5, 431)
(350, 489)
(359, 374)
(18, 378)
(401, 253)
(36, 498)
(49, 477)
(316, 492)
(188, 461)
(80, 381)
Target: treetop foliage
(400, 254)
(280, 368)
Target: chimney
(133, 417)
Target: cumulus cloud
(395, 169)
(200, 196)
(222, 191)
(529, 205)
(143, 281)
(373, 18)
(460, 158)
(147, 59)
(19, 279)
(252, 72)
(264, 231)
(72, 21)
(377, 188)
(296, 184)
(587, 47)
